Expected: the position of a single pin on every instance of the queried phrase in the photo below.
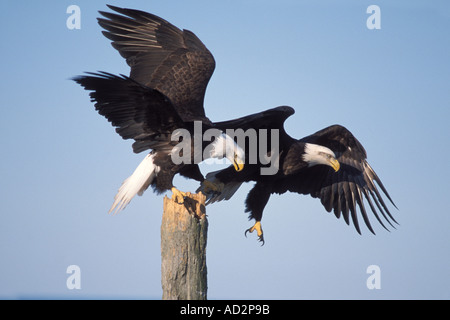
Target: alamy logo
(73, 22)
(224, 145)
(74, 280)
(374, 280)
(374, 20)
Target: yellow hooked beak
(238, 166)
(335, 164)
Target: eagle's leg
(256, 201)
(177, 195)
(212, 187)
(259, 231)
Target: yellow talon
(259, 231)
(177, 195)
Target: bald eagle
(330, 164)
(170, 70)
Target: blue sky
(62, 163)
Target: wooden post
(184, 230)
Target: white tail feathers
(137, 183)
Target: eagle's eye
(326, 155)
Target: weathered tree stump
(184, 230)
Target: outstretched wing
(137, 112)
(345, 190)
(162, 57)
(270, 119)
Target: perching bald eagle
(170, 69)
(330, 165)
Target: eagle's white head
(316, 154)
(225, 147)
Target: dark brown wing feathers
(163, 57)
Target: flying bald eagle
(170, 69)
(330, 165)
